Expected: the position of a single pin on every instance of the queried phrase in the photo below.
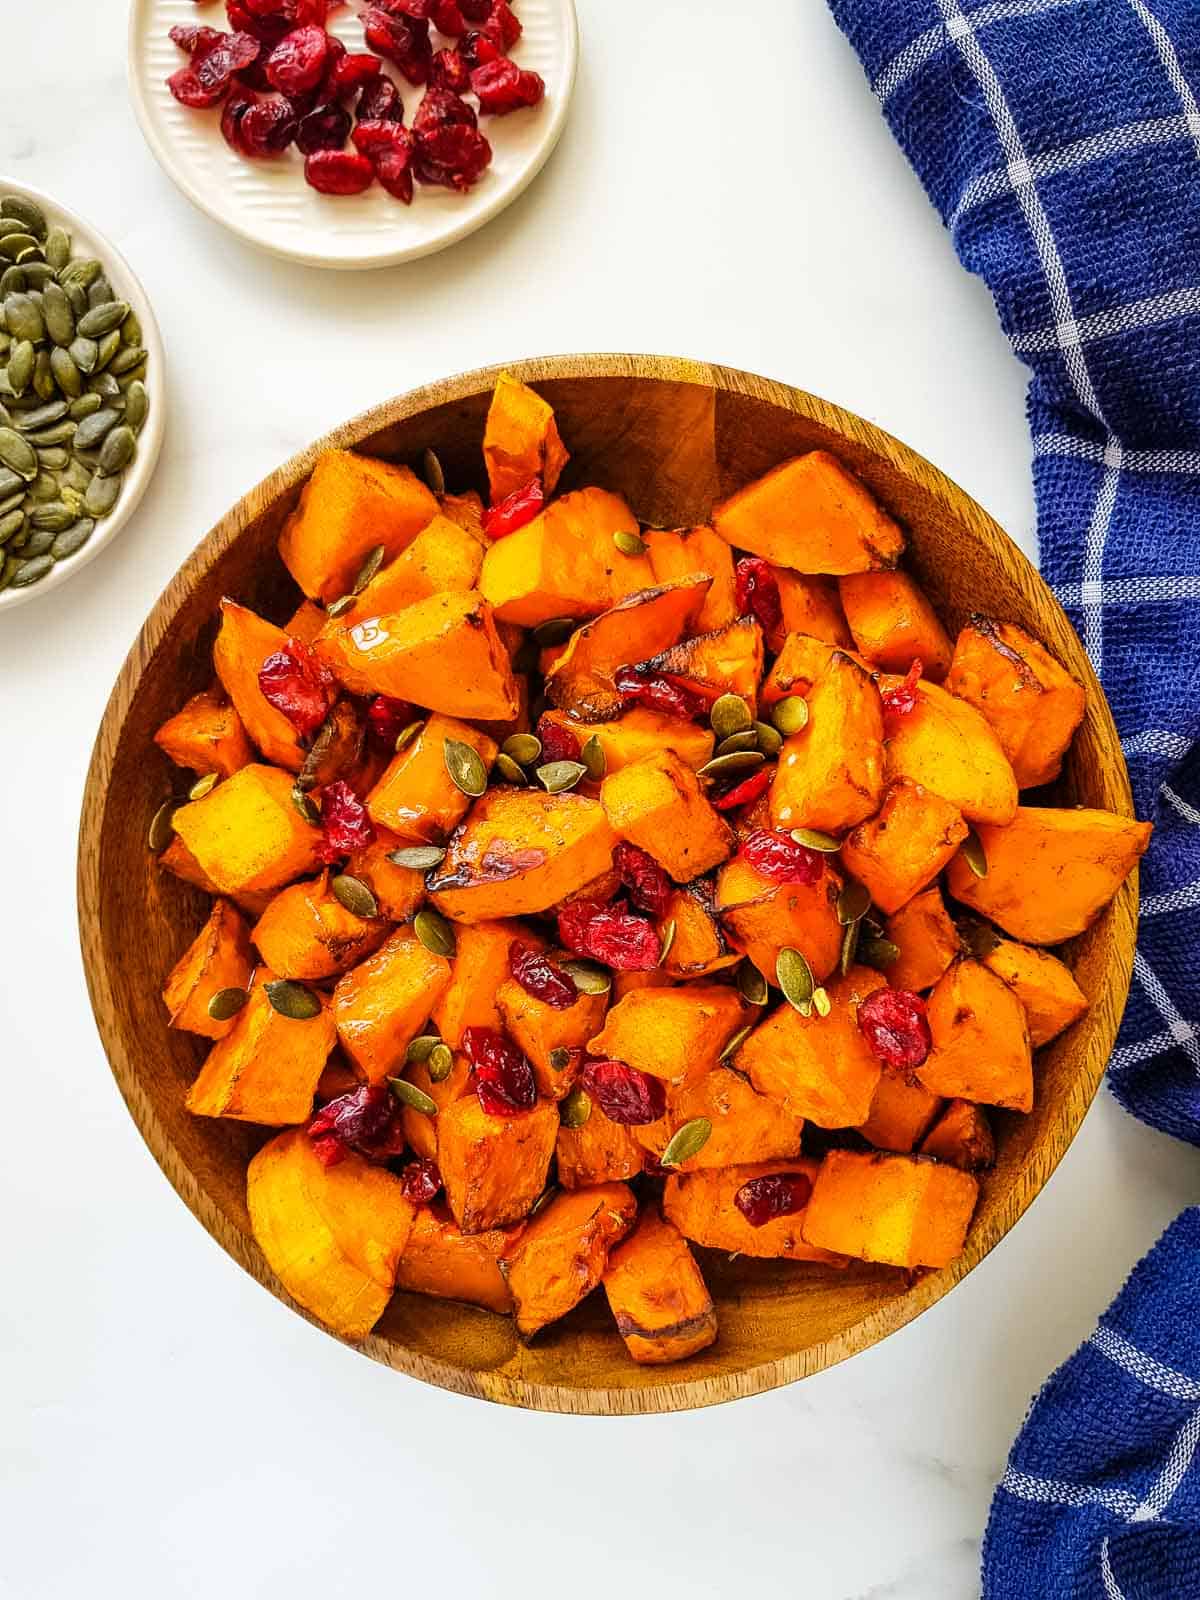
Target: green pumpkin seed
(812, 839)
(131, 330)
(629, 544)
(420, 857)
(53, 459)
(849, 947)
(371, 565)
(11, 225)
(441, 1063)
(524, 748)
(593, 757)
(108, 348)
(14, 280)
(971, 850)
(10, 482)
(8, 571)
(102, 495)
(37, 543)
(125, 361)
(415, 1099)
(72, 539)
(53, 517)
(37, 276)
(18, 455)
(84, 271)
(853, 902)
(688, 1142)
(794, 976)
(557, 631)
(13, 502)
(117, 451)
(57, 433)
(137, 404)
(979, 939)
(339, 608)
(770, 740)
(305, 806)
(43, 489)
(66, 374)
(85, 406)
(76, 479)
(42, 416)
(878, 953)
(12, 522)
(353, 894)
(21, 359)
(75, 293)
(203, 786)
(19, 246)
(738, 741)
(751, 984)
(668, 939)
(85, 353)
(226, 1003)
(588, 976)
(736, 1043)
(510, 771)
(58, 315)
(790, 714)
(735, 761)
(431, 471)
(465, 766)
(822, 1004)
(407, 735)
(23, 318)
(421, 1048)
(292, 1000)
(435, 933)
(103, 319)
(103, 383)
(575, 1109)
(25, 211)
(730, 714)
(556, 777)
(162, 827)
(559, 1058)
(57, 249)
(101, 292)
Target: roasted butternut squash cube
(729, 661)
(306, 622)
(698, 945)
(657, 1296)
(442, 653)
(598, 1151)
(494, 1168)
(267, 1066)
(801, 661)
(701, 1205)
(563, 563)
(830, 774)
(243, 643)
(1032, 704)
(819, 1068)
(206, 736)
(761, 917)
(681, 552)
(946, 746)
(813, 515)
(442, 558)
(981, 1047)
(398, 891)
(905, 845)
(246, 834)
(331, 1235)
(466, 512)
(658, 804)
(900, 1113)
(926, 938)
(349, 506)
(674, 1034)
(561, 1256)
(899, 1210)
(416, 798)
(520, 440)
(628, 982)
(641, 732)
(439, 1259)
(894, 624)
(519, 852)
(218, 958)
(1051, 998)
(479, 968)
(381, 1005)
(338, 749)
(962, 1137)
(1050, 873)
(540, 1031)
(812, 606)
(746, 1126)
(420, 1130)
(306, 932)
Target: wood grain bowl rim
(666, 1395)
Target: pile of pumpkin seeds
(72, 394)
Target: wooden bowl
(671, 436)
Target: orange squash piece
(894, 624)
(520, 440)
(657, 1294)
(564, 563)
(900, 1113)
(350, 505)
(421, 1130)
(398, 891)
(1033, 705)
(416, 798)
(306, 622)
(801, 661)
(206, 736)
(746, 1126)
(598, 1151)
(443, 557)
(926, 938)
(381, 1005)
(830, 774)
(641, 732)
(494, 1168)
(477, 971)
(812, 606)
(905, 846)
(466, 512)
(306, 933)
(945, 745)
(657, 803)
(899, 1210)
(813, 515)
(218, 958)
(671, 1033)
(519, 852)
(681, 552)
(698, 945)
(981, 1048)
(1050, 873)
(962, 1137)
(761, 917)
(628, 982)
(439, 1259)
(243, 643)
(1045, 987)
(701, 1205)
(562, 1254)
(246, 834)
(729, 661)
(541, 1031)
(267, 1066)
(332, 1235)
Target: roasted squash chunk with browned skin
(207, 735)
(416, 798)
(961, 1137)
(439, 1259)
(657, 1296)
(521, 440)
(552, 1040)
(219, 958)
(703, 1207)
(597, 1151)
(800, 662)
(762, 918)
(1051, 998)
(306, 933)
(812, 606)
(398, 890)
(478, 970)
(927, 941)
(247, 834)
(745, 1125)
(244, 642)
(494, 1168)
(899, 1210)
(562, 1254)
(905, 845)
(981, 1048)
(900, 1113)
(267, 1066)
(894, 624)
(381, 1004)
(421, 1130)
(697, 944)
(442, 558)
(564, 562)
(830, 774)
(945, 745)
(641, 732)
(659, 805)
(671, 1033)
(682, 552)
(727, 661)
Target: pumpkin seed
(305, 806)
(878, 953)
(465, 766)
(557, 631)
(53, 459)
(10, 482)
(770, 740)
(162, 827)
(588, 976)
(339, 608)
(103, 319)
(204, 786)
(103, 383)
(101, 496)
(25, 211)
(575, 1109)
(668, 939)
(57, 249)
(822, 1004)
(628, 543)
(853, 902)
(790, 714)
(71, 540)
(18, 455)
(57, 433)
(37, 542)
(509, 770)
(371, 565)
(415, 1099)
(688, 1142)
(421, 1048)
(11, 225)
(593, 757)
(812, 839)
(434, 932)
(131, 329)
(83, 271)
(42, 416)
(751, 984)
(15, 280)
(292, 1000)
(558, 776)
(58, 315)
(84, 353)
(354, 895)
(738, 741)
(126, 360)
(431, 471)
(66, 374)
(794, 976)
(23, 318)
(8, 571)
(407, 735)
(441, 1063)
(19, 246)
(43, 489)
(979, 939)
(523, 748)
(12, 522)
(20, 366)
(75, 293)
(849, 947)
(972, 852)
(137, 404)
(736, 1043)
(117, 451)
(31, 571)
(730, 714)
(421, 857)
(101, 292)
(226, 1003)
(735, 761)
(560, 1058)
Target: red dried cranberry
(372, 138)
(903, 699)
(367, 1119)
(297, 63)
(623, 1094)
(326, 128)
(351, 72)
(502, 87)
(232, 52)
(894, 1024)
(559, 743)
(536, 973)
(402, 39)
(387, 719)
(237, 103)
(393, 164)
(640, 686)
(504, 1080)
(746, 792)
(777, 1194)
(502, 25)
(345, 825)
(476, 49)
(515, 510)
(649, 887)
(194, 40)
(475, 10)
(421, 1181)
(610, 934)
(268, 128)
(758, 593)
(463, 156)
(778, 857)
(190, 92)
(267, 29)
(380, 102)
(293, 13)
(447, 18)
(297, 682)
(439, 109)
(448, 70)
(338, 172)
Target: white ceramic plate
(88, 241)
(269, 204)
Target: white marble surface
(168, 1430)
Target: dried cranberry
(610, 934)
(439, 110)
(462, 156)
(447, 18)
(367, 1119)
(902, 700)
(778, 857)
(194, 40)
(476, 49)
(515, 510)
(504, 1080)
(351, 72)
(185, 85)
(338, 172)
(371, 138)
(778, 1194)
(393, 165)
(448, 70)
(502, 25)
(297, 682)
(758, 593)
(559, 743)
(421, 1181)
(268, 127)
(326, 128)
(501, 87)
(267, 29)
(237, 103)
(623, 1094)
(216, 66)
(649, 887)
(475, 10)
(387, 718)
(345, 825)
(536, 973)
(297, 63)
(402, 39)
(746, 792)
(640, 686)
(894, 1024)
(380, 102)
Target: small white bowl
(88, 241)
(268, 203)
